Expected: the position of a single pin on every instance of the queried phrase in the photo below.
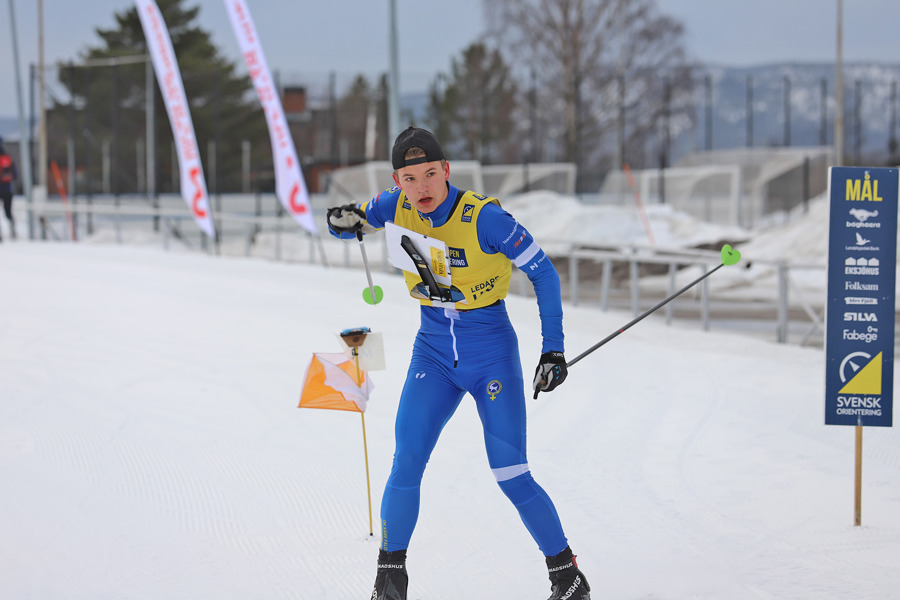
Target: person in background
(8, 176)
(465, 343)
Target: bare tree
(612, 76)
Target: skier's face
(425, 184)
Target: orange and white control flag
(334, 382)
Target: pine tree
(107, 88)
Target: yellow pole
(857, 496)
(365, 445)
(368, 486)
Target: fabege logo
(467, 211)
(494, 388)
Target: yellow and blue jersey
(483, 241)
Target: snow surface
(150, 447)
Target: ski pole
(375, 292)
(729, 257)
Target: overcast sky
(351, 36)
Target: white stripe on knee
(507, 473)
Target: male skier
(470, 347)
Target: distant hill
(730, 95)
(877, 90)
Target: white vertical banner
(289, 184)
(193, 184)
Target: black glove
(347, 219)
(551, 371)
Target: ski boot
(391, 580)
(567, 582)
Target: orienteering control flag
(289, 184)
(193, 184)
(333, 382)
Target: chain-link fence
(108, 140)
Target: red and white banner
(289, 184)
(193, 184)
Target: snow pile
(558, 220)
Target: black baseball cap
(415, 137)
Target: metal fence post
(669, 307)
(605, 283)
(635, 288)
(782, 327)
(573, 278)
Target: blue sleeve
(382, 208)
(498, 231)
(379, 210)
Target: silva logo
(494, 388)
(861, 316)
(467, 212)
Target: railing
(785, 307)
(622, 280)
